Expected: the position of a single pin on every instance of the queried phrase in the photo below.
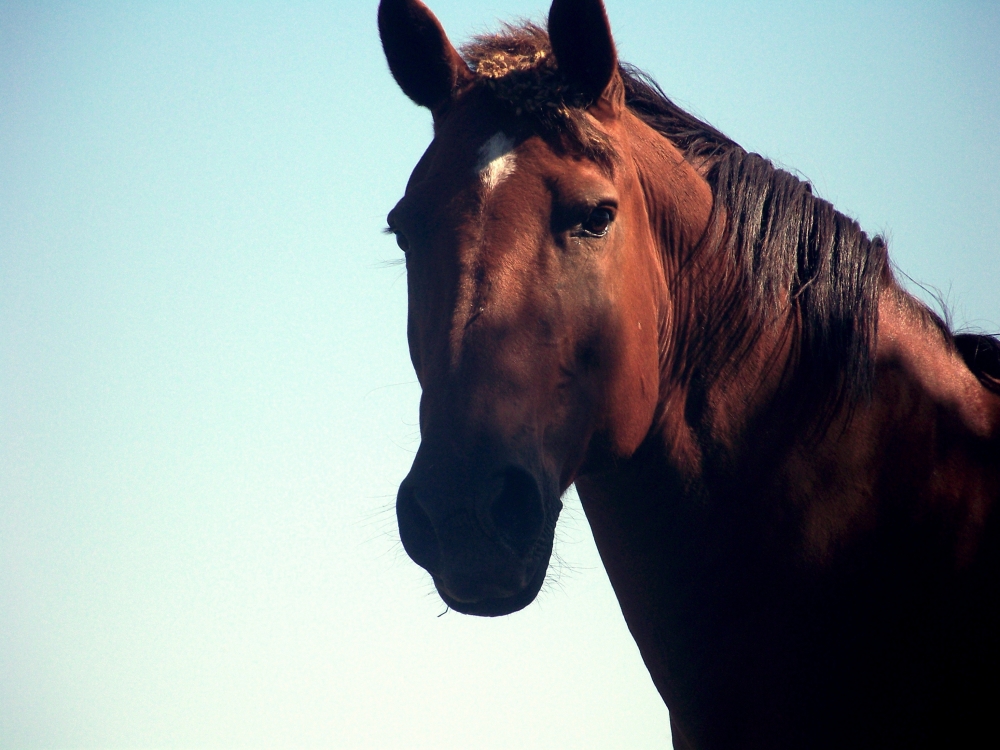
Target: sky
(206, 403)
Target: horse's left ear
(584, 49)
(422, 60)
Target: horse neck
(743, 434)
(698, 295)
(926, 440)
(768, 516)
(724, 503)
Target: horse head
(536, 247)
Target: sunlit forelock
(496, 160)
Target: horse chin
(498, 606)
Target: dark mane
(789, 247)
(782, 246)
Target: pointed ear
(581, 41)
(422, 60)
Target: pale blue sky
(205, 399)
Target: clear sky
(206, 403)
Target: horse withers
(789, 464)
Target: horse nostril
(416, 530)
(517, 512)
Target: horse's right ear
(422, 60)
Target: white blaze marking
(495, 160)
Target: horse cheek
(633, 384)
(631, 335)
(413, 346)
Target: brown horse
(791, 467)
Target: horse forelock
(516, 66)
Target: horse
(791, 466)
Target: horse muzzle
(485, 536)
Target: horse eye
(598, 222)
